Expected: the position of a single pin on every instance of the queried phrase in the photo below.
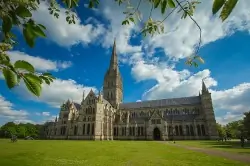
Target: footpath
(213, 152)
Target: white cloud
(9, 114)
(228, 104)
(228, 117)
(182, 34)
(123, 33)
(57, 92)
(235, 99)
(39, 63)
(42, 113)
(64, 34)
(8, 111)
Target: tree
(18, 13)
(233, 129)
(246, 123)
(221, 130)
(21, 130)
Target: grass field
(105, 153)
(230, 146)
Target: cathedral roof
(162, 102)
(78, 106)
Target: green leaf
(47, 81)
(47, 74)
(156, 3)
(124, 22)
(20, 64)
(163, 6)
(199, 59)
(23, 12)
(10, 77)
(34, 77)
(171, 3)
(33, 84)
(7, 24)
(132, 19)
(28, 36)
(227, 9)
(42, 26)
(217, 5)
(39, 32)
(68, 3)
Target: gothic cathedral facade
(106, 117)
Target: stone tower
(112, 86)
(207, 107)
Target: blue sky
(152, 67)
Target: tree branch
(198, 47)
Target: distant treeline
(21, 130)
(236, 129)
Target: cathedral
(106, 117)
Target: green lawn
(105, 153)
(230, 146)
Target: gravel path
(213, 152)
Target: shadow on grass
(227, 144)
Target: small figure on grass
(13, 138)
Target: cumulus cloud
(39, 63)
(8, 111)
(64, 34)
(228, 104)
(182, 34)
(57, 92)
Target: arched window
(93, 110)
(199, 130)
(142, 131)
(203, 131)
(176, 130)
(93, 129)
(180, 130)
(191, 130)
(89, 118)
(187, 130)
(75, 130)
(83, 129)
(111, 95)
(169, 130)
(88, 129)
(130, 131)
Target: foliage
(18, 14)
(246, 123)
(221, 130)
(234, 129)
(226, 5)
(21, 130)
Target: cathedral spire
(113, 60)
(204, 88)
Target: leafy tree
(246, 123)
(233, 129)
(221, 130)
(18, 13)
(21, 130)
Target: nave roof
(162, 102)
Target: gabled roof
(162, 102)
